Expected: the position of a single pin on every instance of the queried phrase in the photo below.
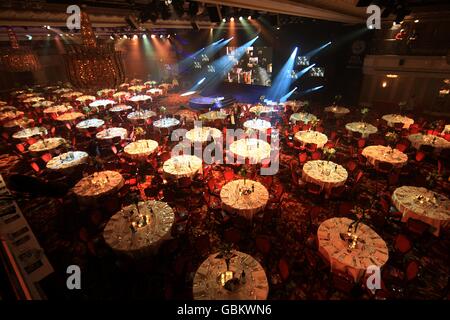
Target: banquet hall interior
(224, 150)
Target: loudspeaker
(214, 14)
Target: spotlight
(416, 21)
(232, 19)
(224, 20)
(29, 37)
(111, 37)
(278, 28)
(48, 35)
(160, 36)
(168, 36)
(241, 18)
(125, 36)
(48, 27)
(249, 17)
(153, 36)
(135, 37)
(60, 34)
(144, 36)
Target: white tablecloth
(203, 134)
(111, 133)
(254, 149)
(303, 117)
(67, 160)
(47, 144)
(120, 108)
(141, 115)
(315, 137)
(85, 98)
(262, 109)
(377, 154)
(446, 129)
(391, 119)
(60, 108)
(30, 132)
(424, 205)
(438, 143)
(99, 184)
(364, 128)
(140, 98)
(326, 174)
(183, 166)
(102, 103)
(146, 239)
(90, 123)
(166, 123)
(337, 111)
(213, 115)
(140, 149)
(10, 115)
(370, 249)
(70, 116)
(206, 285)
(235, 200)
(257, 124)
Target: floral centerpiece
(163, 110)
(329, 152)
(351, 237)
(364, 112)
(391, 138)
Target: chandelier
(93, 65)
(16, 59)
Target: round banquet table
(315, 137)
(44, 104)
(253, 149)
(112, 133)
(85, 98)
(139, 98)
(326, 174)
(105, 92)
(102, 103)
(392, 119)
(303, 117)
(33, 100)
(337, 111)
(188, 115)
(166, 123)
(257, 124)
(147, 238)
(140, 149)
(70, 116)
(30, 132)
(21, 123)
(262, 109)
(424, 205)
(67, 160)
(90, 124)
(10, 115)
(47, 144)
(71, 94)
(183, 166)
(98, 184)
(438, 143)
(213, 115)
(141, 115)
(203, 134)
(120, 108)
(364, 128)
(377, 154)
(60, 108)
(155, 91)
(207, 286)
(235, 200)
(370, 248)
